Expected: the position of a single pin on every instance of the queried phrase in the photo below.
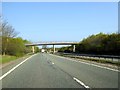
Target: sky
(61, 21)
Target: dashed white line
(80, 82)
(15, 67)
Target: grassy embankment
(8, 58)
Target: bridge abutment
(53, 48)
(73, 48)
(33, 49)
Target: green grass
(0, 59)
(7, 58)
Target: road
(50, 71)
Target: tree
(44, 46)
(0, 34)
(100, 44)
(6, 32)
(27, 48)
(16, 47)
(10, 44)
(67, 49)
(37, 49)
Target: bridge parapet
(52, 43)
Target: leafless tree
(6, 32)
(0, 36)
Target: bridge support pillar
(33, 49)
(73, 48)
(53, 48)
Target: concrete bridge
(52, 43)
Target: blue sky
(61, 21)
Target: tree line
(11, 44)
(97, 44)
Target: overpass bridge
(52, 43)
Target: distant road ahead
(49, 71)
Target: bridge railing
(52, 42)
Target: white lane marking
(89, 63)
(15, 67)
(100, 66)
(80, 82)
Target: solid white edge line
(80, 82)
(15, 67)
(88, 63)
(101, 66)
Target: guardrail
(100, 57)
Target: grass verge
(8, 58)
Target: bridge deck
(52, 43)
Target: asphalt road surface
(50, 71)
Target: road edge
(4, 75)
(88, 63)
